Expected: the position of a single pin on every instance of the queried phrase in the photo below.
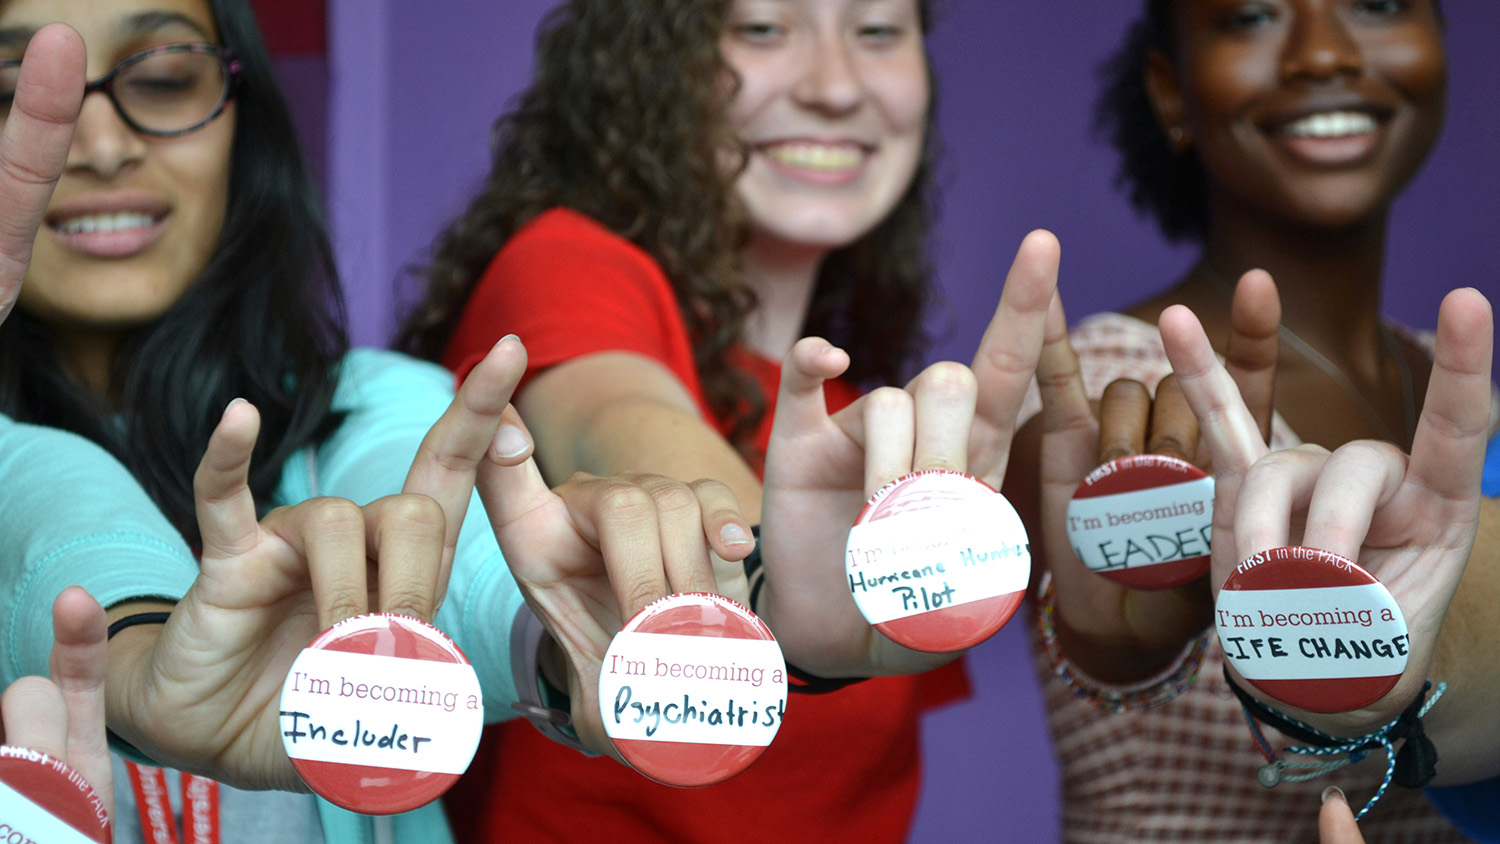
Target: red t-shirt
(844, 766)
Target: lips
(112, 226)
(1330, 137)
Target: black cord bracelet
(135, 619)
(1415, 763)
(808, 683)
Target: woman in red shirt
(660, 248)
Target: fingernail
(510, 441)
(1333, 792)
(507, 337)
(232, 403)
(733, 534)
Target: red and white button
(693, 689)
(381, 714)
(42, 800)
(938, 561)
(1312, 630)
(1144, 521)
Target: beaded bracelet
(1416, 761)
(1148, 694)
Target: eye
(759, 32)
(1381, 8)
(880, 33)
(1248, 16)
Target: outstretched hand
(821, 469)
(202, 693)
(1115, 633)
(1408, 520)
(34, 146)
(63, 716)
(593, 552)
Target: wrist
(129, 652)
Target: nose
(830, 81)
(1320, 47)
(102, 142)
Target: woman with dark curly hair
(660, 252)
(1277, 136)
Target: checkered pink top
(1185, 771)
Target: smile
(91, 223)
(107, 234)
(829, 158)
(1331, 124)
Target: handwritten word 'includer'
(358, 737)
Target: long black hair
(264, 321)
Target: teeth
(816, 156)
(1332, 124)
(105, 223)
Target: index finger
(1008, 353)
(477, 421)
(34, 146)
(1448, 450)
(1227, 426)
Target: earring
(1178, 139)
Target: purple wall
(415, 87)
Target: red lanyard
(200, 807)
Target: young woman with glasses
(181, 263)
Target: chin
(819, 231)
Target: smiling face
(1316, 111)
(832, 109)
(134, 218)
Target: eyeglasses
(164, 91)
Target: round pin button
(1144, 521)
(43, 800)
(381, 714)
(938, 561)
(1312, 630)
(692, 690)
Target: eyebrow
(143, 23)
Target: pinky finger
(727, 531)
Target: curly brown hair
(624, 122)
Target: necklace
(1387, 340)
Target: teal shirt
(73, 515)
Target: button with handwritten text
(1144, 521)
(381, 714)
(692, 690)
(938, 561)
(1312, 630)
(43, 800)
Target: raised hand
(1114, 633)
(34, 146)
(63, 716)
(202, 693)
(593, 552)
(1410, 521)
(820, 469)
